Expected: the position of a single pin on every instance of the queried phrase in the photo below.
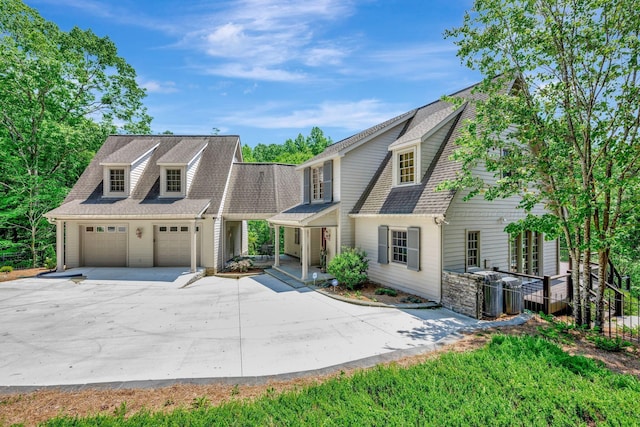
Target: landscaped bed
(371, 292)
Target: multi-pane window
(525, 252)
(174, 180)
(116, 180)
(406, 167)
(399, 246)
(317, 184)
(473, 249)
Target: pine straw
(32, 408)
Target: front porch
(292, 267)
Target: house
(377, 191)
(167, 200)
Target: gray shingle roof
(183, 152)
(130, 152)
(382, 198)
(85, 198)
(262, 189)
(302, 212)
(346, 143)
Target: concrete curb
(402, 306)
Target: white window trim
(163, 181)
(416, 166)
(478, 249)
(406, 247)
(106, 181)
(312, 193)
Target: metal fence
(552, 295)
(20, 260)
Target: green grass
(512, 381)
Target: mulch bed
(367, 293)
(21, 274)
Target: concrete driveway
(57, 332)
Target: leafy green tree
(293, 151)
(61, 93)
(569, 125)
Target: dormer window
(116, 181)
(405, 167)
(174, 181)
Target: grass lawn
(512, 381)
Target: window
(317, 184)
(116, 180)
(173, 229)
(296, 236)
(505, 153)
(526, 253)
(162, 229)
(183, 229)
(99, 229)
(473, 249)
(111, 229)
(174, 181)
(89, 229)
(399, 246)
(406, 169)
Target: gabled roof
(183, 152)
(131, 152)
(382, 198)
(354, 141)
(86, 197)
(262, 189)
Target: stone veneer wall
(462, 293)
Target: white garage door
(172, 246)
(104, 245)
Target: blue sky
(268, 70)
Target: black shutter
(327, 176)
(383, 244)
(306, 186)
(413, 248)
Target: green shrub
(387, 291)
(349, 267)
(615, 344)
(6, 269)
(49, 263)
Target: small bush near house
(6, 269)
(349, 267)
(387, 291)
(240, 265)
(49, 263)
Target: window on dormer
(174, 181)
(317, 184)
(406, 167)
(116, 180)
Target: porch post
(276, 247)
(59, 245)
(193, 246)
(304, 242)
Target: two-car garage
(104, 245)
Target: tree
(61, 93)
(292, 151)
(569, 125)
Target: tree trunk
(603, 261)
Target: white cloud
(353, 116)
(239, 70)
(153, 86)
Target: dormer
(415, 150)
(178, 167)
(122, 169)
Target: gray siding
(430, 147)
(357, 168)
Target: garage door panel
(172, 246)
(104, 246)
